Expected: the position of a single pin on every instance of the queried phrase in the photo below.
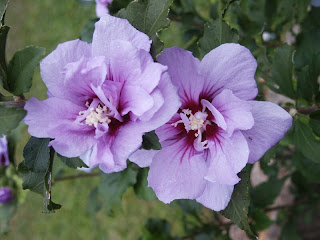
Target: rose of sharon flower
(4, 157)
(102, 96)
(217, 130)
(6, 195)
(101, 7)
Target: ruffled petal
(110, 28)
(143, 158)
(236, 112)
(52, 66)
(183, 70)
(271, 123)
(43, 116)
(176, 173)
(218, 117)
(216, 196)
(229, 66)
(228, 156)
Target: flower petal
(229, 66)
(218, 117)
(216, 196)
(183, 70)
(110, 28)
(271, 123)
(228, 157)
(43, 116)
(143, 158)
(52, 66)
(236, 112)
(176, 173)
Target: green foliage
(3, 8)
(10, 118)
(217, 32)
(308, 168)
(306, 142)
(289, 232)
(281, 70)
(262, 221)
(113, 186)
(87, 31)
(73, 162)
(7, 211)
(315, 122)
(265, 193)
(151, 141)
(21, 68)
(156, 228)
(141, 188)
(237, 209)
(3, 64)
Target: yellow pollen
(98, 115)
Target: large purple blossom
(102, 96)
(4, 155)
(6, 195)
(217, 130)
(102, 7)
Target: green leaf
(73, 162)
(141, 188)
(7, 211)
(21, 68)
(94, 203)
(281, 70)
(156, 46)
(87, 31)
(254, 10)
(289, 232)
(216, 32)
(10, 118)
(262, 221)
(148, 16)
(114, 185)
(150, 141)
(315, 122)
(35, 164)
(3, 8)
(3, 64)
(237, 209)
(306, 142)
(309, 169)
(86, 3)
(265, 193)
(156, 228)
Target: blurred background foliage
(284, 37)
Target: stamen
(97, 115)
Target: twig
(17, 104)
(303, 110)
(284, 206)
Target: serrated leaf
(10, 118)
(237, 209)
(150, 141)
(3, 8)
(35, 164)
(148, 16)
(114, 185)
(306, 142)
(265, 193)
(315, 122)
(3, 64)
(282, 70)
(87, 32)
(73, 162)
(141, 188)
(21, 68)
(217, 32)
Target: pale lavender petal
(218, 117)
(4, 155)
(236, 112)
(229, 66)
(168, 131)
(271, 124)
(110, 28)
(176, 173)
(101, 8)
(158, 101)
(72, 140)
(183, 70)
(143, 158)
(43, 116)
(216, 196)
(52, 66)
(228, 157)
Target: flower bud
(4, 157)
(6, 195)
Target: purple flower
(102, 96)
(101, 7)
(216, 131)
(4, 156)
(6, 195)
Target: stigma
(101, 114)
